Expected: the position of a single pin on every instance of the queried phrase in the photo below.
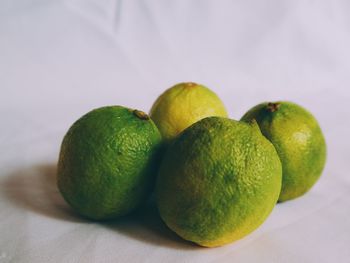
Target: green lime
(108, 162)
(182, 105)
(218, 181)
(298, 140)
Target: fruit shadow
(145, 225)
(34, 189)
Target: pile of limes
(216, 179)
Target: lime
(108, 162)
(218, 181)
(298, 140)
(182, 105)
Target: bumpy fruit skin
(298, 140)
(182, 105)
(218, 181)
(108, 162)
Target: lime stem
(190, 84)
(141, 115)
(273, 106)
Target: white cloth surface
(60, 59)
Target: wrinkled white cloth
(60, 59)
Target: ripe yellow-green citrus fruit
(108, 162)
(182, 105)
(298, 140)
(218, 181)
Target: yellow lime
(182, 105)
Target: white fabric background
(60, 59)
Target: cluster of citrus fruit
(215, 179)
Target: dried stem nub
(141, 115)
(273, 106)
